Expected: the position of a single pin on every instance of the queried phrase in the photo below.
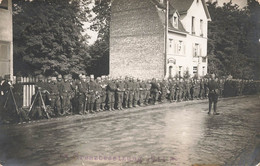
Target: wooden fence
(28, 90)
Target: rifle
(6, 100)
(43, 104)
(16, 107)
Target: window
(180, 69)
(175, 22)
(180, 47)
(201, 27)
(204, 59)
(195, 69)
(203, 70)
(196, 50)
(4, 4)
(171, 48)
(193, 25)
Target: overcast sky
(241, 3)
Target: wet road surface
(165, 134)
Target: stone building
(138, 32)
(6, 38)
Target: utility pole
(166, 35)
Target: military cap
(49, 78)
(59, 76)
(92, 76)
(53, 78)
(40, 76)
(99, 78)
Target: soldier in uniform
(136, 91)
(73, 94)
(82, 89)
(55, 96)
(98, 94)
(177, 90)
(120, 89)
(213, 94)
(142, 92)
(66, 95)
(111, 88)
(91, 94)
(131, 92)
(181, 91)
(126, 93)
(147, 92)
(221, 87)
(103, 93)
(186, 89)
(155, 89)
(60, 86)
(6, 97)
(163, 89)
(196, 89)
(206, 88)
(171, 89)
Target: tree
(99, 51)
(229, 44)
(48, 36)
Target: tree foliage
(99, 51)
(231, 50)
(48, 36)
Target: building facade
(138, 45)
(6, 38)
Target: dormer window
(193, 25)
(175, 21)
(4, 4)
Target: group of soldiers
(62, 95)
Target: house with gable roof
(138, 45)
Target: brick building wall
(136, 40)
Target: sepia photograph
(129, 82)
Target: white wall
(188, 61)
(6, 37)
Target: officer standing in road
(213, 94)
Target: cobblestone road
(165, 134)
